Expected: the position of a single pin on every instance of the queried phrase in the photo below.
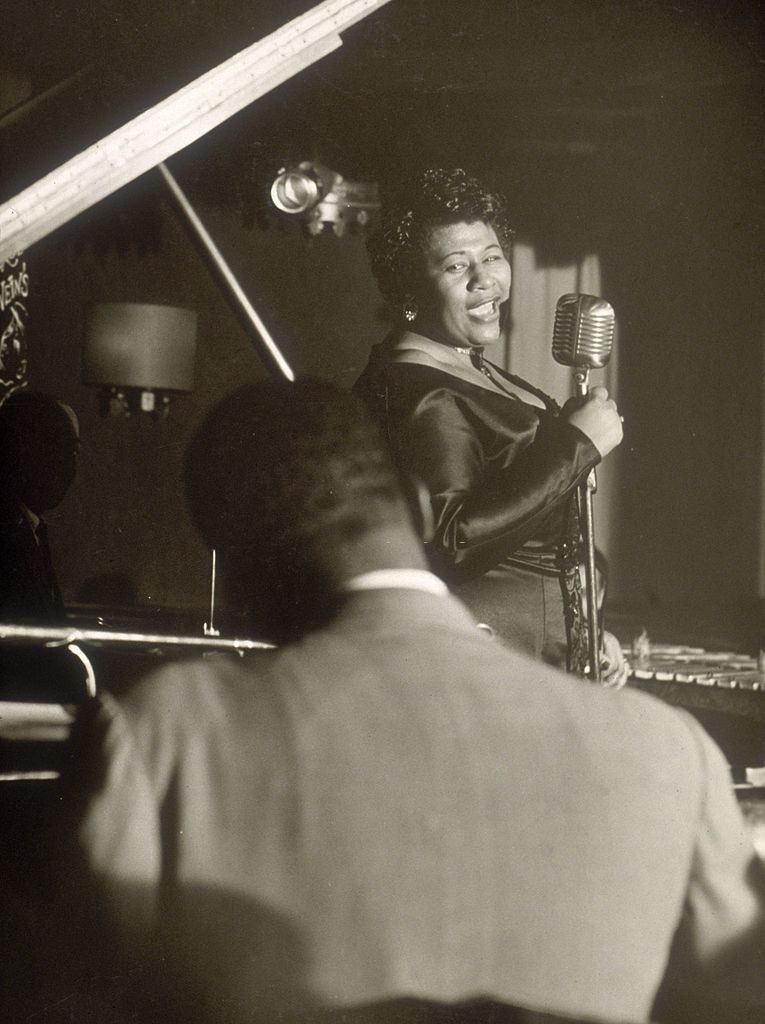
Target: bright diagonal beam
(174, 123)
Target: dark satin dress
(501, 468)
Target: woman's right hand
(598, 418)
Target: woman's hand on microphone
(613, 667)
(598, 418)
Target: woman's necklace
(476, 358)
(475, 355)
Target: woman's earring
(410, 310)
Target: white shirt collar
(397, 579)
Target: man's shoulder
(440, 636)
(627, 727)
(191, 688)
(402, 639)
(639, 735)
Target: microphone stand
(586, 491)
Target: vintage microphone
(583, 337)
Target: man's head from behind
(39, 441)
(293, 486)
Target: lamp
(138, 355)
(322, 197)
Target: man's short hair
(279, 475)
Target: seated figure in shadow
(393, 816)
(39, 443)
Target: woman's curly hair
(434, 198)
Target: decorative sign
(14, 313)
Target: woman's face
(467, 278)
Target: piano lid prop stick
(237, 294)
(209, 627)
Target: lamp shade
(134, 345)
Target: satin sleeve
(493, 477)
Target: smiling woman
(499, 461)
(467, 278)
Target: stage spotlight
(296, 191)
(323, 198)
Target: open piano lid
(150, 137)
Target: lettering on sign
(14, 315)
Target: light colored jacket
(399, 805)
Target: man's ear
(418, 499)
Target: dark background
(633, 130)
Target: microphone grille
(583, 334)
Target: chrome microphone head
(583, 334)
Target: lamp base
(116, 401)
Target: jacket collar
(405, 611)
